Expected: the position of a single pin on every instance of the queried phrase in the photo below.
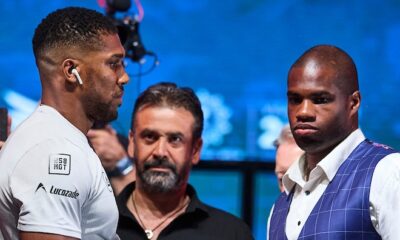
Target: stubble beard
(104, 112)
(98, 110)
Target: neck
(155, 212)
(312, 159)
(69, 108)
(159, 204)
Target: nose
(306, 111)
(124, 79)
(160, 149)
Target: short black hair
(170, 95)
(71, 27)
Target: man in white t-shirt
(52, 184)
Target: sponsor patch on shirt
(60, 164)
(58, 191)
(41, 186)
(64, 192)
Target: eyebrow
(150, 131)
(321, 94)
(117, 55)
(146, 132)
(179, 134)
(314, 94)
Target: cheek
(292, 109)
(332, 120)
(143, 152)
(180, 156)
(104, 83)
(291, 112)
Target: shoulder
(54, 161)
(224, 224)
(388, 168)
(223, 216)
(385, 179)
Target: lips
(119, 95)
(160, 169)
(304, 129)
(159, 164)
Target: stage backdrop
(236, 55)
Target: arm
(36, 186)
(119, 183)
(385, 196)
(111, 151)
(107, 146)
(42, 236)
(8, 130)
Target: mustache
(119, 93)
(159, 162)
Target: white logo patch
(60, 164)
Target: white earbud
(75, 72)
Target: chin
(107, 116)
(308, 144)
(112, 117)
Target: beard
(160, 182)
(98, 110)
(104, 112)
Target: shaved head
(339, 63)
(323, 99)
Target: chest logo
(60, 164)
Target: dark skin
(42, 236)
(103, 76)
(102, 73)
(323, 102)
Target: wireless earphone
(75, 72)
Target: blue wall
(236, 55)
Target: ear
(197, 146)
(131, 145)
(67, 66)
(355, 101)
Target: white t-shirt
(51, 181)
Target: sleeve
(49, 184)
(385, 197)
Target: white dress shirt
(384, 193)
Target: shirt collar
(56, 114)
(330, 164)
(293, 175)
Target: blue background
(236, 55)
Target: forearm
(42, 236)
